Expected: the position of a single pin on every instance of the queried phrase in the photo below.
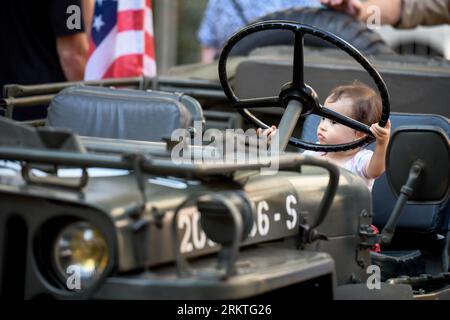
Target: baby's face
(330, 132)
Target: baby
(361, 103)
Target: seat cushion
(118, 114)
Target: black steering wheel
(298, 91)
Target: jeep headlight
(80, 254)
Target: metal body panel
(39, 213)
(285, 199)
(260, 271)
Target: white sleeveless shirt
(357, 164)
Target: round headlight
(80, 254)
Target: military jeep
(102, 211)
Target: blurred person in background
(398, 13)
(222, 18)
(40, 43)
(38, 46)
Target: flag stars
(98, 23)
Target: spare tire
(343, 25)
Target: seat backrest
(122, 114)
(415, 217)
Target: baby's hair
(366, 106)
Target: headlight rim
(56, 267)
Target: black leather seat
(123, 114)
(428, 225)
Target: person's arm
(208, 54)
(351, 7)
(390, 10)
(399, 13)
(207, 32)
(424, 12)
(376, 165)
(87, 7)
(73, 54)
(72, 44)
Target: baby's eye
(323, 118)
(333, 122)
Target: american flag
(122, 42)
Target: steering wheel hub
(305, 95)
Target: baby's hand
(269, 133)
(381, 134)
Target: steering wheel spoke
(257, 103)
(330, 147)
(298, 80)
(344, 120)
